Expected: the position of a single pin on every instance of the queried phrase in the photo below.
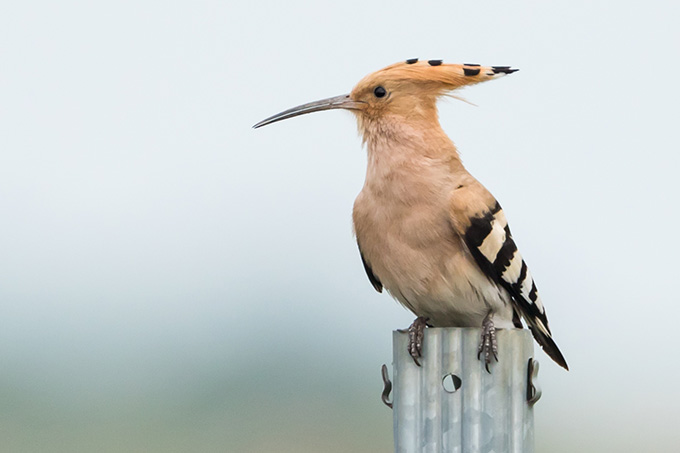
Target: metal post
(451, 404)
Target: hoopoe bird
(428, 231)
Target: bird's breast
(407, 245)
(404, 232)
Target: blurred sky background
(173, 280)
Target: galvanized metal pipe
(488, 412)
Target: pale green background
(172, 280)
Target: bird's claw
(488, 344)
(416, 333)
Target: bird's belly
(423, 264)
(451, 293)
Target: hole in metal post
(451, 383)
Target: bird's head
(406, 91)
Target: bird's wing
(480, 222)
(371, 276)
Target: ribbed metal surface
(488, 413)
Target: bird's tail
(544, 338)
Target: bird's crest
(433, 75)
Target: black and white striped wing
(489, 240)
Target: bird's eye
(379, 92)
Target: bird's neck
(406, 155)
(394, 141)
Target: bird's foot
(416, 333)
(488, 344)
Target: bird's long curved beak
(336, 102)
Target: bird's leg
(416, 332)
(487, 343)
